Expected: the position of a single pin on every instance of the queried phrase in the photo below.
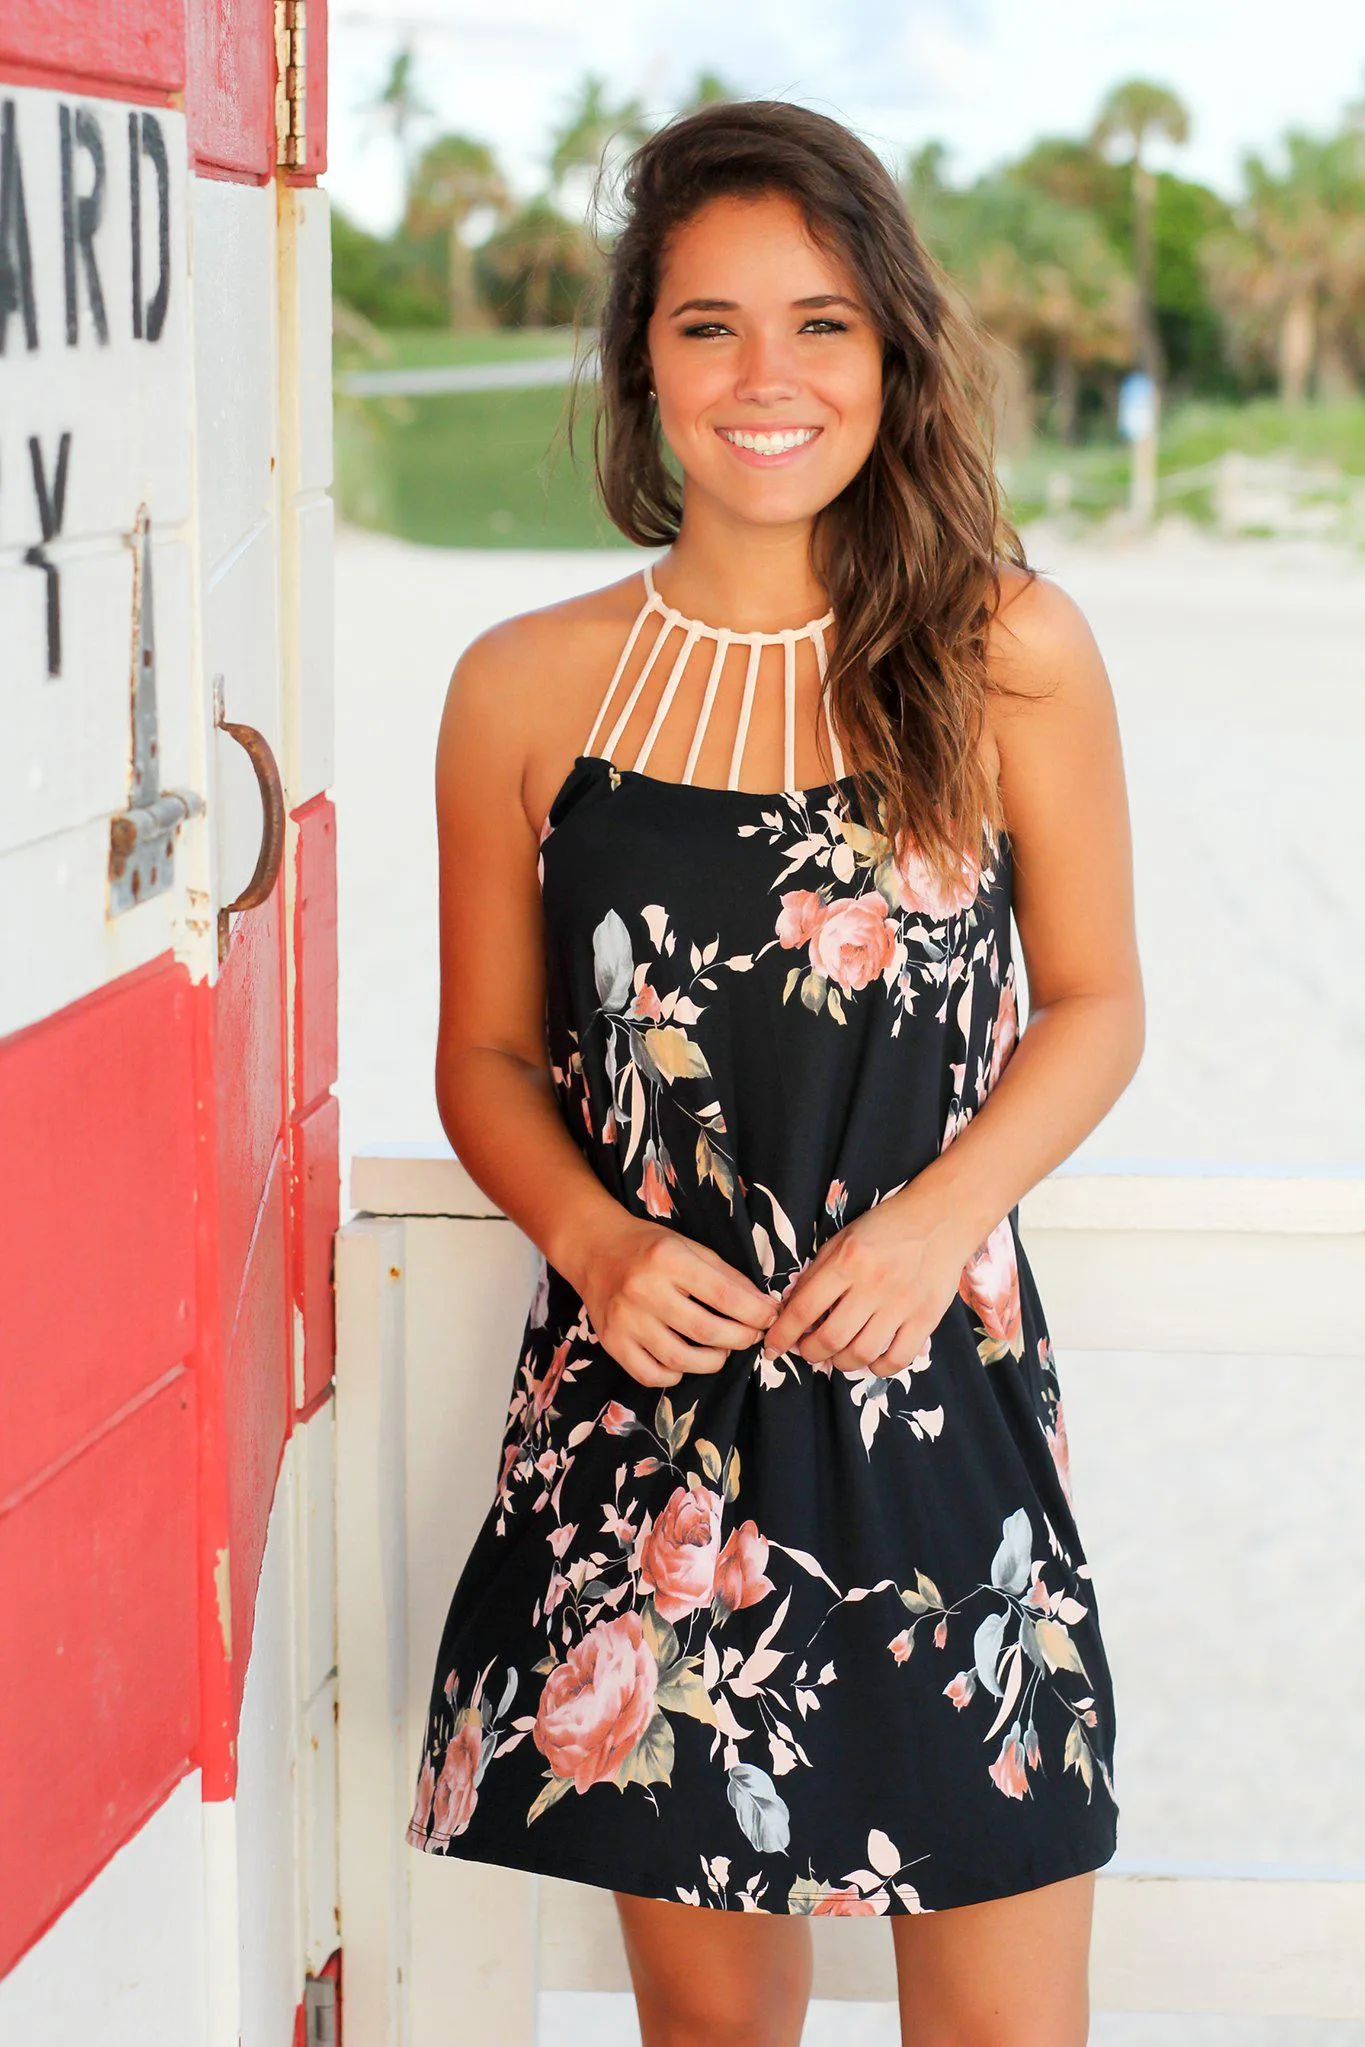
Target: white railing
(1207, 1330)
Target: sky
(983, 76)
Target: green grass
(1310, 433)
(1193, 436)
(405, 348)
(475, 469)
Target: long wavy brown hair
(909, 551)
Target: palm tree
(590, 127)
(1042, 278)
(1291, 275)
(709, 90)
(538, 266)
(1131, 115)
(398, 106)
(455, 176)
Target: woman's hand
(874, 1293)
(662, 1304)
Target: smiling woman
(780, 1607)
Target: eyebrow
(829, 298)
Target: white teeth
(770, 444)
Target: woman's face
(765, 361)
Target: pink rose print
(990, 1287)
(618, 1420)
(1061, 1456)
(901, 1645)
(845, 1903)
(426, 1795)
(922, 890)
(678, 1553)
(548, 1386)
(456, 1795)
(854, 941)
(1006, 1033)
(740, 1567)
(597, 1704)
(961, 1689)
(802, 910)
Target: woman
(780, 1608)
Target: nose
(766, 370)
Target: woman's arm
(893, 1272)
(661, 1304)
(1061, 772)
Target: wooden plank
(257, 1407)
(122, 49)
(376, 1768)
(124, 1963)
(231, 97)
(97, 1211)
(249, 1082)
(316, 1214)
(99, 1711)
(315, 953)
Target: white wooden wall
(1204, 1326)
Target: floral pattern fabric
(784, 1638)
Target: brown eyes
(706, 327)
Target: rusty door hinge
(291, 84)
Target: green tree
(389, 280)
(1184, 214)
(399, 107)
(455, 177)
(592, 123)
(1291, 273)
(1040, 275)
(1131, 115)
(709, 90)
(536, 270)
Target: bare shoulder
(1062, 783)
(518, 693)
(511, 669)
(1040, 646)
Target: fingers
(724, 1289)
(692, 1318)
(815, 1292)
(681, 1356)
(645, 1369)
(882, 1345)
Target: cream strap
(692, 630)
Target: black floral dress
(784, 1638)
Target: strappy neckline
(693, 630)
(656, 602)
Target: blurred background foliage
(1081, 261)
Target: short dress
(785, 1637)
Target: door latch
(142, 839)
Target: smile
(769, 446)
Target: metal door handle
(271, 856)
